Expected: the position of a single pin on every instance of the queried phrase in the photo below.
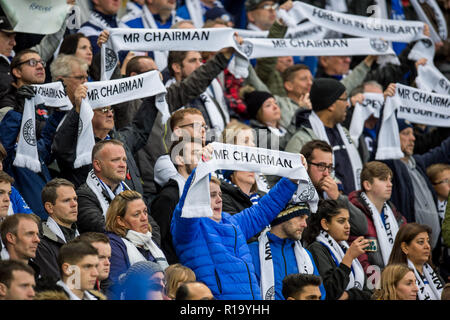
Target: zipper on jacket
(246, 265)
(219, 285)
(284, 258)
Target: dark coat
(335, 278)
(233, 199)
(47, 253)
(162, 208)
(90, 214)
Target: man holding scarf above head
(27, 68)
(279, 251)
(329, 108)
(215, 247)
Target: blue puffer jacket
(218, 252)
(284, 262)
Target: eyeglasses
(105, 110)
(322, 166)
(195, 125)
(79, 78)
(442, 181)
(270, 6)
(32, 62)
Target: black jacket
(335, 278)
(162, 208)
(47, 253)
(233, 199)
(5, 75)
(90, 214)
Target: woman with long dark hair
(326, 235)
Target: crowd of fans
(115, 228)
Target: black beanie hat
(290, 211)
(403, 124)
(324, 92)
(254, 100)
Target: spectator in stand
(194, 290)
(383, 219)
(200, 11)
(130, 236)
(298, 286)
(27, 69)
(16, 281)
(412, 247)
(79, 45)
(398, 282)
(326, 235)
(261, 14)
(176, 275)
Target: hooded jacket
(218, 252)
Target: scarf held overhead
(107, 93)
(412, 104)
(51, 95)
(243, 158)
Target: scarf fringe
(25, 161)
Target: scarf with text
(355, 160)
(305, 30)
(386, 231)
(134, 239)
(52, 95)
(243, 158)
(107, 93)
(304, 264)
(206, 39)
(372, 104)
(389, 30)
(432, 288)
(98, 186)
(412, 104)
(337, 251)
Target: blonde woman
(398, 282)
(177, 274)
(130, 234)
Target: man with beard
(279, 252)
(319, 156)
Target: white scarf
(390, 30)
(196, 12)
(272, 47)
(432, 290)
(306, 30)
(72, 296)
(149, 23)
(135, 239)
(50, 94)
(412, 104)
(243, 158)
(337, 251)
(441, 33)
(387, 231)
(429, 78)
(97, 186)
(53, 226)
(372, 104)
(304, 264)
(106, 93)
(98, 21)
(355, 160)
(206, 39)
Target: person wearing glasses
(28, 68)
(319, 156)
(260, 14)
(329, 102)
